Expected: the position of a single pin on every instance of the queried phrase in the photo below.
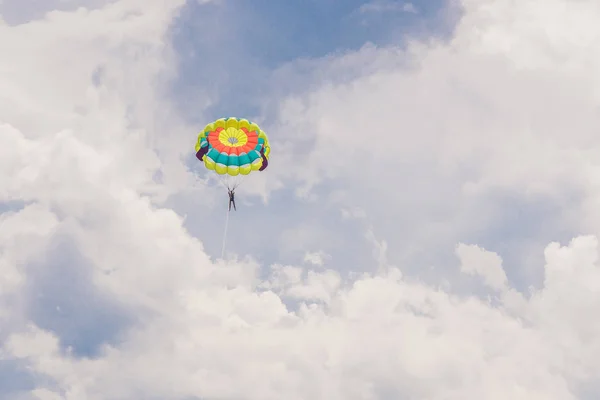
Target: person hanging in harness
(231, 199)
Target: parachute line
(225, 234)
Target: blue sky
(238, 66)
(230, 49)
(111, 282)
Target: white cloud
(467, 118)
(354, 212)
(16, 12)
(477, 261)
(448, 132)
(316, 258)
(387, 6)
(382, 337)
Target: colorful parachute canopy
(233, 146)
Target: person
(231, 199)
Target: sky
(427, 227)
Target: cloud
(317, 258)
(380, 337)
(470, 133)
(15, 12)
(387, 6)
(104, 293)
(476, 261)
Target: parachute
(233, 148)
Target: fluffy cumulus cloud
(105, 294)
(499, 122)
